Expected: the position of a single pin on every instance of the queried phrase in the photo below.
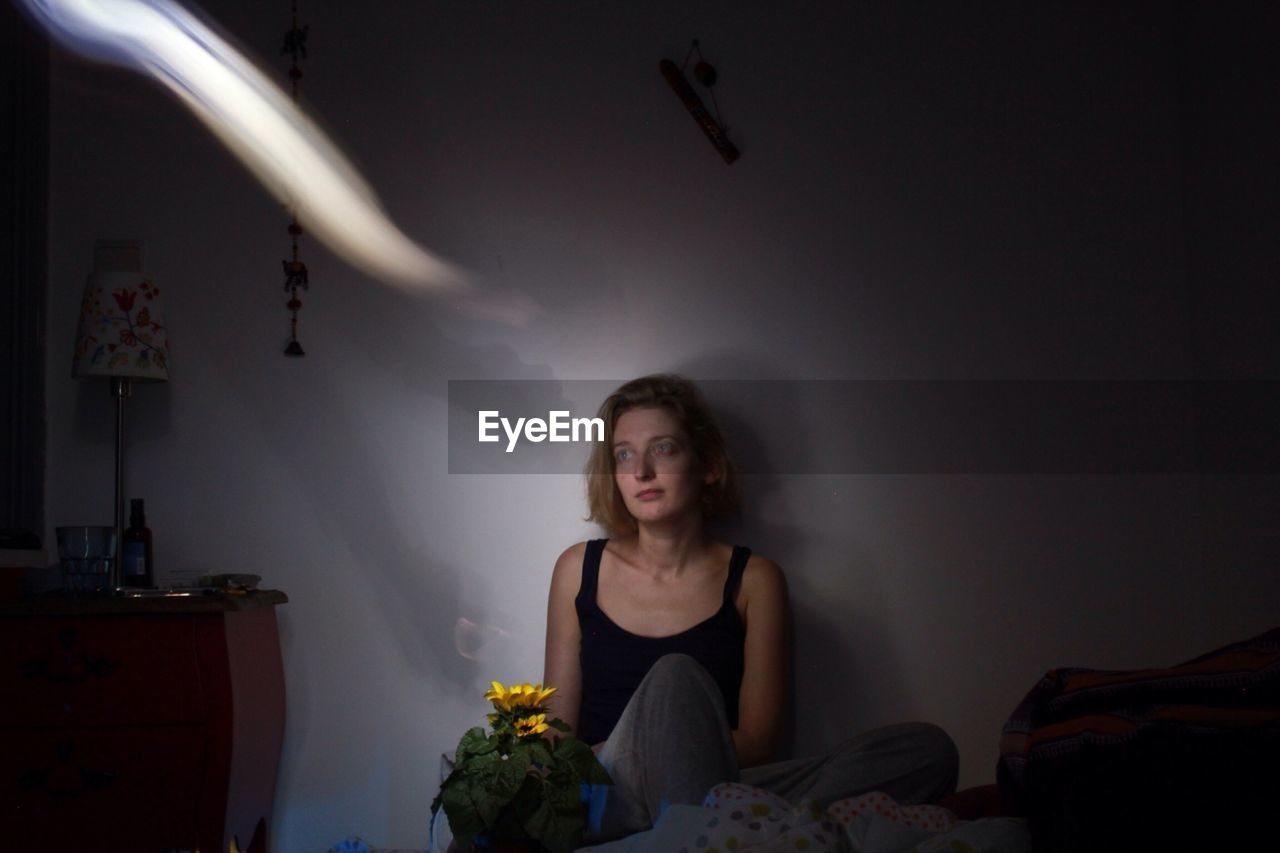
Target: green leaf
(510, 823)
(596, 774)
(480, 766)
(558, 724)
(473, 742)
(509, 776)
(539, 754)
(575, 753)
(492, 782)
(487, 806)
(464, 818)
(564, 795)
(559, 833)
(527, 798)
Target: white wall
(924, 193)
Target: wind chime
(295, 271)
(705, 73)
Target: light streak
(477, 642)
(255, 120)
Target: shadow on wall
(844, 661)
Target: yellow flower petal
(518, 697)
(534, 725)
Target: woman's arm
(762, 697)
(561, 668)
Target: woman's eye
(664, 448)
(622, 455)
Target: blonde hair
(684, 401)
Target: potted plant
(517, 783)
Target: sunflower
(498, 695)
(535, 725)
(530, 696)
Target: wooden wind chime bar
(295, 271)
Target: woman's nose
(644, 467)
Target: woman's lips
(649, 494)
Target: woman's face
(655, 467)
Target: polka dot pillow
(931, 818)
(749, 819)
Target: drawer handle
(72, 782)
(37, 781)
(99, 667)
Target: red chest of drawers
(140, 724)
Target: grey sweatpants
(673, 744)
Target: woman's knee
(676, 662)
(677, 702)
(937, 751)
(677, 666)
(679, 674)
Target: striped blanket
(1101, 760)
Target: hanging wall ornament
(295, 271)
(705, 74)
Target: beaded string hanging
(705, 73)
(295, 271)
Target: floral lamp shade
(121, 330)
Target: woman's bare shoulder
(574, 552)
(567, 573)
(763, 577)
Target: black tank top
(614, 660)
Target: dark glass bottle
(138, 567)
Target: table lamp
(121, 336)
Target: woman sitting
(670, 648)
